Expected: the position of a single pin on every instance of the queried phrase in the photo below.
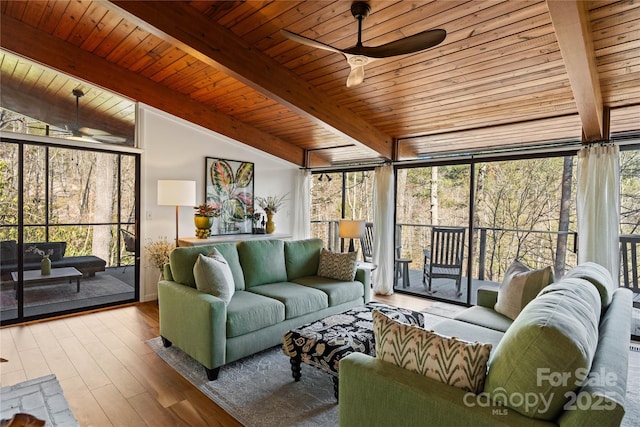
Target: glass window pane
(520, 213)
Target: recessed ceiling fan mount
(359, 55)
(88, 134)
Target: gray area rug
(259, 390)
(41, 397)
(632, 405)
(103, 288)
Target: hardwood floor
(110, 377)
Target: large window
(340, 195)
(73, 206)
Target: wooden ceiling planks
(500, 64)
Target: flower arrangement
(207, 209)
(159, 252)
(38, 251)
(271, 204)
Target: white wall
(176, 149)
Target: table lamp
(351, 229)
(176, 193)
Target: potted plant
(158, 252)
(45, 264)
(203, 219)
(271, 205)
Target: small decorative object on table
(270, 205)
(45, 264)
(203, 219)
(256, 218)
(159, 253)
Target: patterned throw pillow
(519, 287)
(213, 276)
(338, 266)
(448, 360)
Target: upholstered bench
(324, 342)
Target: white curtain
(302, 212)
(383, 223)
(598, 206)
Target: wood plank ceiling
(509, 73)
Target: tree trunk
(563, 223)
(479, 204)
(434, 196)
(105, 173)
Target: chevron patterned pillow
(337, 265)
(451, 361)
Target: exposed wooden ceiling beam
(572, 27)
(190, 30)
(44, 48)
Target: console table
(194, 241)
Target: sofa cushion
(297, 299)
(451, 361)
(248, 312)
(262, 262)
(485, 317)
(338, 266)
(338, 291)
(302, 257)
(546, 350)
(213, 276)
(183, 259)
(598, 276)
(8, 251)
(468, 332)
(57, 250)
(519, 287)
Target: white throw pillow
(451, 361)
(337, 265)
(519, 287)
(213, 276)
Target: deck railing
(495, 248)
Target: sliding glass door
(62, 232)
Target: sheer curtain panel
(302, 212)
(383, 225)
(598, 206)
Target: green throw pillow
(519, 287)
(338, 266)
(213, 276)
(451, 361)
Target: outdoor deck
(444, 288)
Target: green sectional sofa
(276, 289)
(562, 361)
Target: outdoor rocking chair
(444, 260)
(129, 244)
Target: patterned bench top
(324, 342)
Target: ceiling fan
(359, 55)
(89, 134)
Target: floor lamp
(176, 193)
(351, 229)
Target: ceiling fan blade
(92, 132)
(307, 41)
(109, 139)
(356, 76)
(415, 43)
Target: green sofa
(570, 324)
(276, 289)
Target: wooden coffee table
(36, 277)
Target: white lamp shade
(176, 193)
(351, 229)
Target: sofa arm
(487, 297)
(194, 321)
(364, 276)
(377, 393)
